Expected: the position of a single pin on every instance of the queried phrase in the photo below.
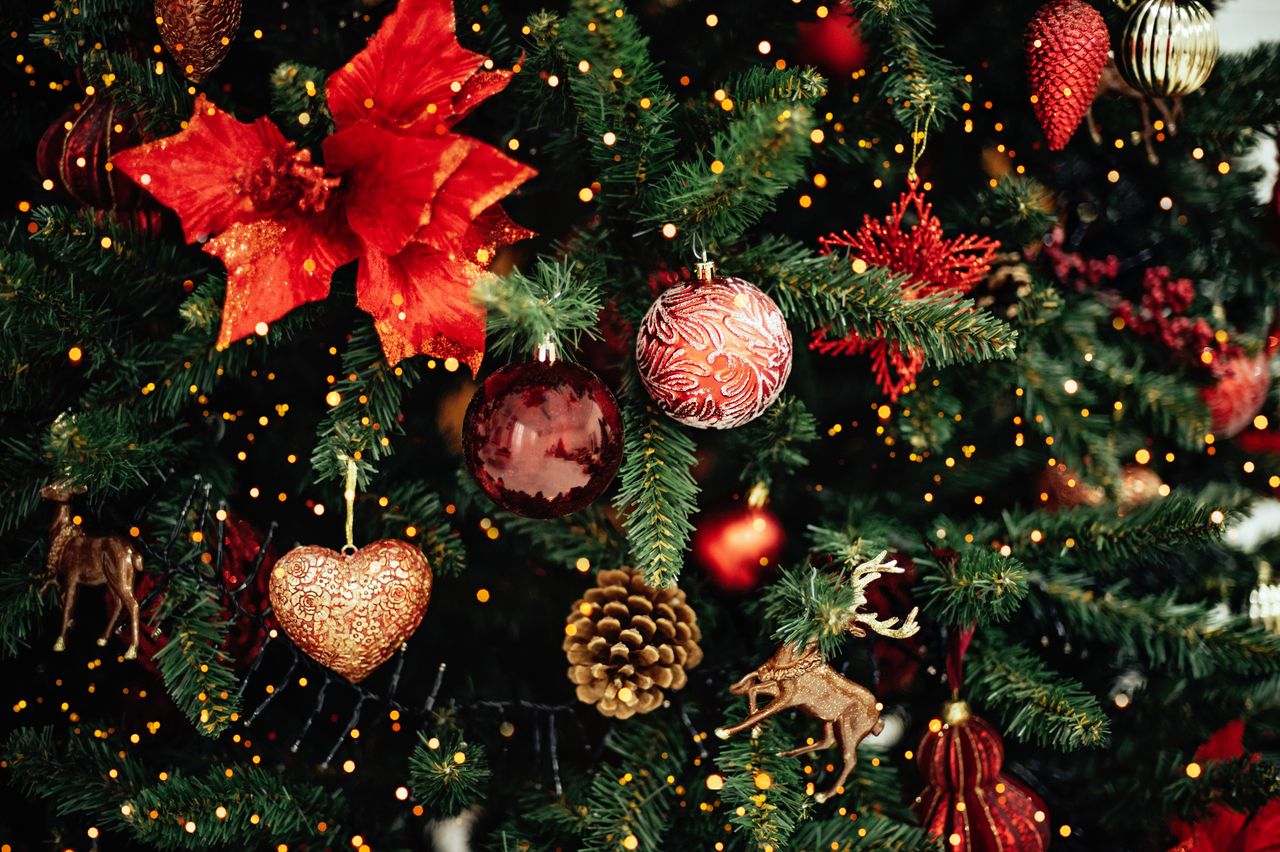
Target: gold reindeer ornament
(79, 559)
(799, 678)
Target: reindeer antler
(862, 576)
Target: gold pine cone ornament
(627, 643)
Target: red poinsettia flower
(1223, 829)
(931, 264)
(414, 201)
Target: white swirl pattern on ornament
(715, 354)
(351, 613)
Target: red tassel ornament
(967, 800)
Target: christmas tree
(649, 425)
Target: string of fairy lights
(880, 421)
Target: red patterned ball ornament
(543, 438)
(74, 151)
(198, 33)
(737, 546)
(1067, 45)
(714, 353)
(1239, 395)
(967, 798)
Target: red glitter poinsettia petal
(411, 65)
(200, 172)
(485, 177)
(393, 179)
(482, 86)
(420, 300)
(274, 265)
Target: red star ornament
(415, 202)
(933, 264)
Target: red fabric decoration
(932, 263)
(415, 202)
(1067, 45)
(967, 800)
(1223, 829)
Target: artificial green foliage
(976, 587)
(758, 157)
(656, 492)
(84, 777)
(764, 792)
(359, 428)
(298, 104)
(823, 291)
(773, 444)
(1034, 703)
(551, 306)
(1110, 639)
(630, 794)
(448, 774)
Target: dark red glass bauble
(543, 439)
(74, 152)
(967, 801)
(738, 546)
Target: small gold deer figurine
(801, 679)
(77, 558)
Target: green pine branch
(978, 587)
(1098, 538)
(448, 775)
(192, 665)
(111, 450)
(764, 791)
(415, 505)
(154, 88)
(553, 305)
(1036, 704)
(24, 600)
(592, 534)
(360, 426)
(823, 291)
(657, 493)
(630, 795)
(224, 806)
(771, 446)
(298, 104)
(717, 197)
(1169, 635)
(922, 86)
(623, 106)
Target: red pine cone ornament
(714, 353)
(198, 33)
(1236, 398)
(967, 800)
(1067, 45)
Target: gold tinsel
(626, 643)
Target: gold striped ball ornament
(1168, 47)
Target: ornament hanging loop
(349, 494)
(546, 352)
(704, 268)
(919, 141)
